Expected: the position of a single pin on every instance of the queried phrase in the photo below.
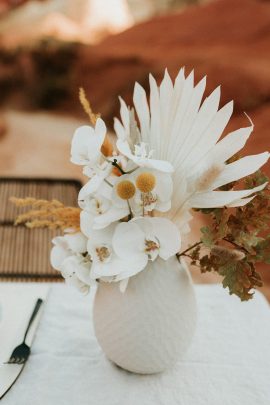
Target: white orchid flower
(144, 239)
(68, 257)
(96, 183)
(101, 215)
(142, 157)
(105, 262)
(97, 174)
(86, 144)
(76, 272)
(98, 209)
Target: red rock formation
(229, 40)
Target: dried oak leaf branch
(236, 240)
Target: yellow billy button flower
(146, 182)
(125, 189)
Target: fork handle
(33, 316)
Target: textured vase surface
(149, 327)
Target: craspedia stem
(130, 211)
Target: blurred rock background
(48, 48)
(43, 62)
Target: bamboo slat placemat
(24, 253)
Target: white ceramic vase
(149, 327)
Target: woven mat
(24, 253)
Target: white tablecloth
(228, 362)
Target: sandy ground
(38, 145)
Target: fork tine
(15, 360)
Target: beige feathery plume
(47, 214)
(87, 107)
(107, 147)
(228, 254)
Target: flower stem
(115, 164)
(130, 211)
(184, 253)
(188, 249)
(132, 171)
(107, 182)
(236, 245)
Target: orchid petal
(86, 223)
(168, 235)
(134, 266)
(58, 255)
(128, 240)
(79, 145)
(90, 187)
(76, 242)
(112, 215)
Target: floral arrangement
(168, 160)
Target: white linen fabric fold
(228, 362)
